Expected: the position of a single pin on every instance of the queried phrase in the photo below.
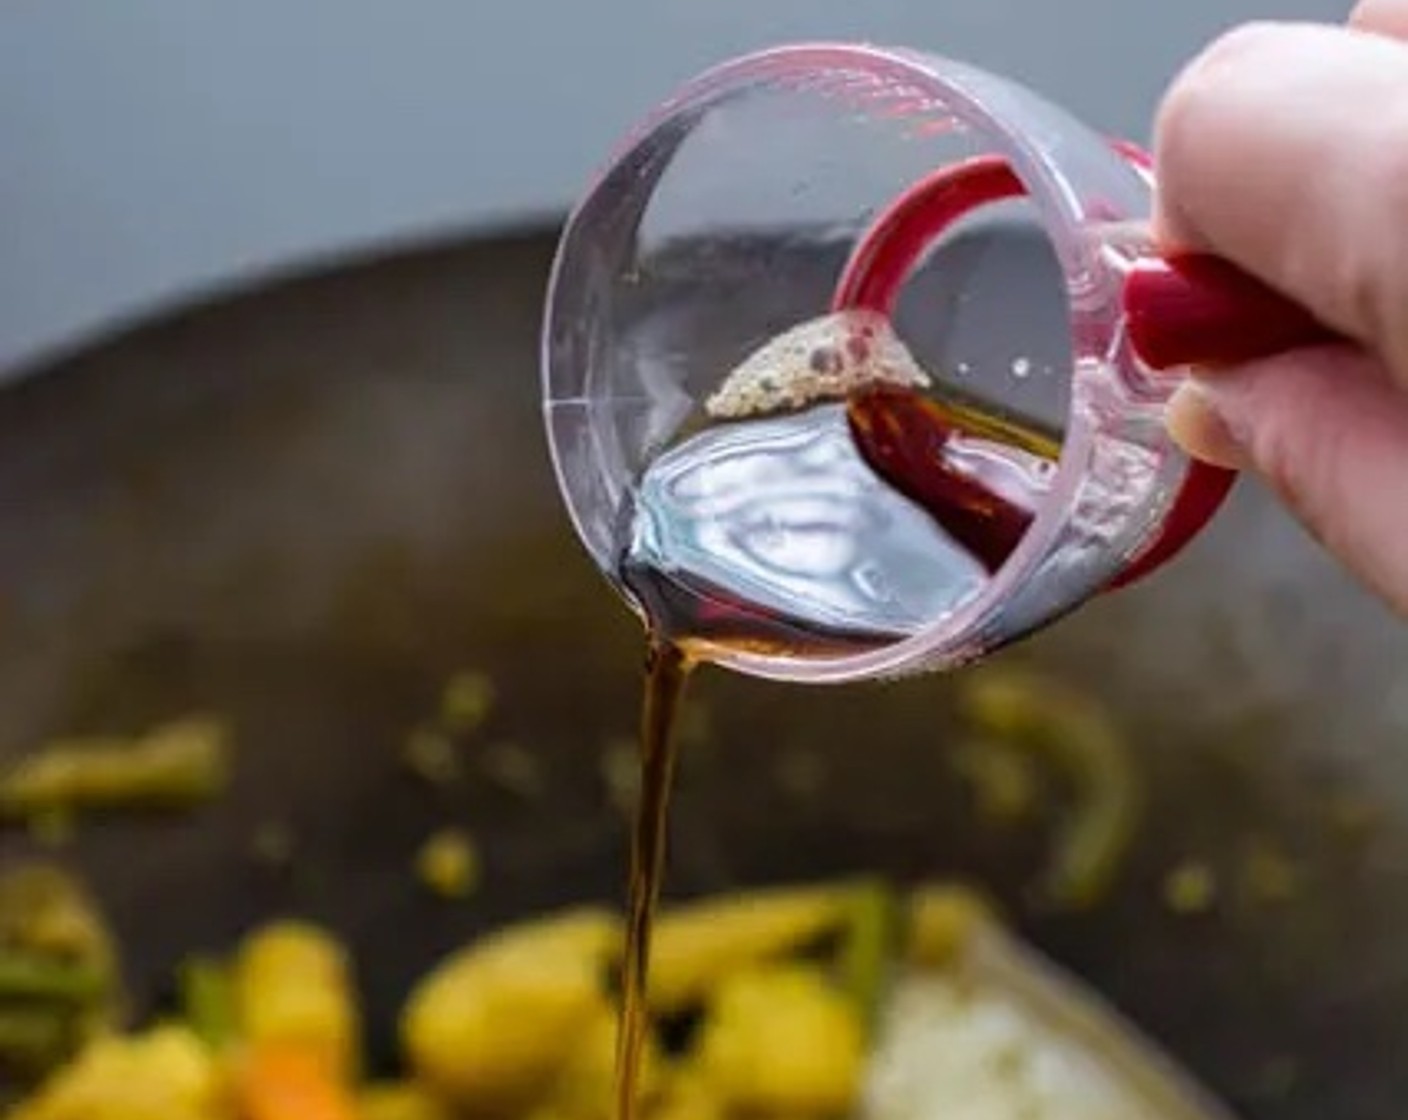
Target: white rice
(1002, 1034)
(951, 1051)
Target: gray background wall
(151, 149)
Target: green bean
(59, 980)
(207, 999)
(34, 1040)
(869, 948)
(29, 976)
(174, 766)
(1079, 739)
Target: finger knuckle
(1197, 99)
(1358, 263)
(1244, 43)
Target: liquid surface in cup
(833, 528)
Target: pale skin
(1284, 149)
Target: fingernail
(1197, 426)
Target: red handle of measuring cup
(1181, 311)
(1193, 309)
(1198, 310)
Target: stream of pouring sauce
(970, 485)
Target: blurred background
(158, 150)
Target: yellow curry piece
(698, 945)
(401, 1100)
(163, 1074)
(520, 1024)
(293, 988)
(782, 1040)
(173, 766)
(493, 1023)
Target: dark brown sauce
(667, 673)
(683, 626)
(907, 438)
(903, 437)
(703, 617)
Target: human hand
(1283, 148)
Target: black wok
(307, 506)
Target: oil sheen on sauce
(808, 532)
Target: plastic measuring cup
(821, 177)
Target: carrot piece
(290, 1083)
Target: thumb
(1326, 429)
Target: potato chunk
(495, 1023)
(400, 1100)
(164, 1074)
(783, 1040)
(699, 944)
(293, 985)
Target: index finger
(1284, 149)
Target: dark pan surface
(304, 508)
